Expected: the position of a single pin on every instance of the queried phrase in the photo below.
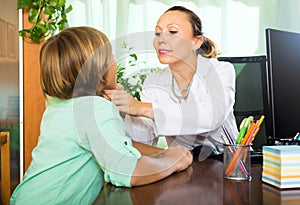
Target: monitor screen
(251, 96)
(283, 60)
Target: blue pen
(229, 138)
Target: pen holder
(237, 164)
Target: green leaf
(133, 55)
(38, 3)
(61, 3)
(34, 15)
(70, 8)
(42, 28)
(51, 27)
(35, 34)
(63, 17)
(62, 24)
(52, 3)
(22, 33)
(23, 4)
(123, 45)
(49, 10)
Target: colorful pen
(253, 130)
(241, 164)
(227, 135)
(248, 133)
(243, 129)
(256, 129)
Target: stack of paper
(281, 166)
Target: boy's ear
(102, 84)
(103, 81)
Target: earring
(194, 46)
(194, 49)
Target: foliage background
(130, 75)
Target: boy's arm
(150, 169)
(145, 149)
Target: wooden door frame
(33, 99)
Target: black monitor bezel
(270, 64)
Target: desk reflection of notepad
(281, 166)
(275, 196)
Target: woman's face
(174, 40)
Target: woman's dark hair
(208, 48)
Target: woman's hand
(123, 100)
(128, 104)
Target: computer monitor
(252, 93)
(283, 63)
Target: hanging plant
(46, 16)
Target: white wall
(237, 26)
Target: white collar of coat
(203, 66)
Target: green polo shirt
(82, 143)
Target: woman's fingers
(117, 95)
(123, 100)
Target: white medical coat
(196, 120)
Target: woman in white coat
(191, 99)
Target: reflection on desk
(202, 183)
(273, 195)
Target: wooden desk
(202, 183)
